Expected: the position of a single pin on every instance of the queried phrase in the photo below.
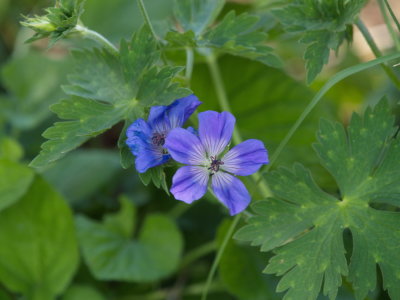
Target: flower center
(215, 163)
(158, 139)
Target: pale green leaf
(112, 253)
(41, 253)
(10, 149)
(15, 180)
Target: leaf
(304, 225)
(10, 149)
(41, 253)
(157, 176)
(32, 91)
(106, 90)
(93, 167)
(15, 180)
(239, 35)
(324, 24)
(240, 269)
(112, 254)
(196, 15)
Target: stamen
(158, 139)
(215, 163)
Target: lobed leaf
(106, 90)
(324, 24)
(304, 225)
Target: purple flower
(146, 139)
(203, 155)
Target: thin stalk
(371, 43)
(392, 15)
(318, 96)
(388, 23)
(189, 65)
(224, 103)
(97, 37)
(221, 250)
(146, 18)
(197, 253)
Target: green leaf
(93, 167)
(10, 149)
(196, 15)
(106, 90)
(15, 180)
(325, 25)
(239, 35)
(58, 21)
(157, 176)
(112, 253)
(41, 253)
(32, 91)
(240, 269)
(304, 225)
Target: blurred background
(91, 178)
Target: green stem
(224, 103)
(371, 43)
(98, 38)
(218, 256)
(146, 18)
(389, 24)
(318, 96)
(189, 65)
(392, 15)
(197, 253)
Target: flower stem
(189, 65)
(146, 18)
(371, 43)
(389, 26)
(221, 250)
(224, 103)
(392, 14)
(98, 38)
(318, 96)
(196, 253)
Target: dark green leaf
(305, 225)
(15, 180)
(112, 253)
(157, 176)
(106, 90)
(39, 253)
(81, 292)
(325, 25)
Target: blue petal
(139, 142)
(185, 147)
(245, 158)
(150, 158)
(165, 118)
(231, 192)
(138, 134)
(215, 130)
(180, 110)
(190, 183)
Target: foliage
(335, 232)
(324, 25)
(306, 225)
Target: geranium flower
(203, 155)
(146, 139)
